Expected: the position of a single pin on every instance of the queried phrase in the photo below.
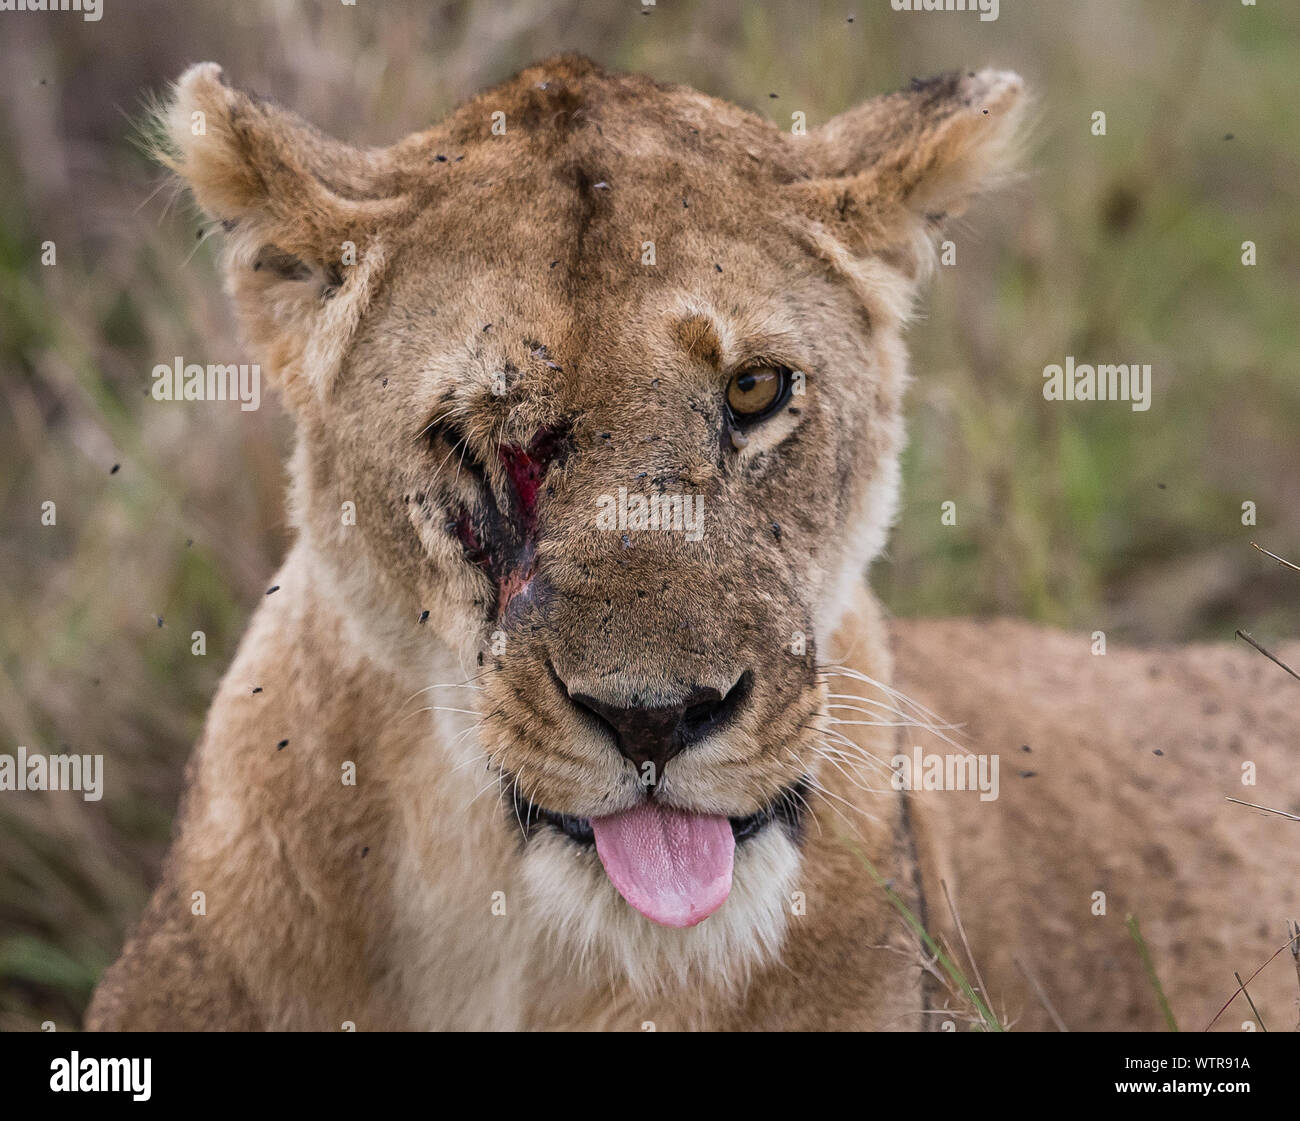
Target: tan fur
(1132, 755)
(499, 291)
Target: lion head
(597, 390)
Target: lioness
(572, 708)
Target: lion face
(612, 381)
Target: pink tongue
(673, 867)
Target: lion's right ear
(302, 213)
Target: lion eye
(757, 392)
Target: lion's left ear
(885, 174)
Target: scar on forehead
(697, 336)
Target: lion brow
(697, 335)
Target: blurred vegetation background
(1123, 248)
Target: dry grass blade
(1289, 944)
(965, 942)
(1242, 634)
(1280, 560)
(1041, 994)
(1266, 809)
(1258, 1018)
(1293, 934)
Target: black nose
(656, 734)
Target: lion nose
(657, 734)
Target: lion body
(326, 907)
(350, 849)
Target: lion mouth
(787, 808)
(672, 865)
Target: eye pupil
(757, 392)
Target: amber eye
(757, 392)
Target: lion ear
(884, 175)
(301, 213)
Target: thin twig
(1270, 657)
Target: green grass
(950, 968)
(1135, 932)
